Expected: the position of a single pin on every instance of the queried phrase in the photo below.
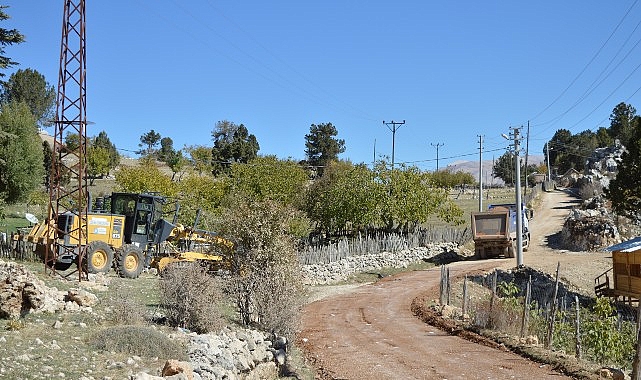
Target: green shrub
(605, 342)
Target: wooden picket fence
(380, 242)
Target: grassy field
(469, 203)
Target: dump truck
(129, 235)
(494, 231)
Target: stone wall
(232, 354)
(337, 271)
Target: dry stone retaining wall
(337, 271)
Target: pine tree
(7, 37)
(625, 190)
(321, 146)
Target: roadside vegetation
(269, 207)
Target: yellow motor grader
(129, 236)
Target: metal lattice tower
(68, 189)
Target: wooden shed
(625, 282)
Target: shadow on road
(569, 205)
(554, 241)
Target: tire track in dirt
(372, 332)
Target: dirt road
(371, 333)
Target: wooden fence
(381, 242)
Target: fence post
(577, 331)
(441, 298)
(526, 307)
(636, 363)
(491, 317)
(464, 311)
(550, 336)
(447, 284)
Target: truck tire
(527, 242)
(99, 257)
(511, 251)
(129, 261)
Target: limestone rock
(174, 367)
(81, 297)
(611, 373)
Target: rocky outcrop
(590, 228)
(21, 293)
(319, 274)
(602, 164)
(232, 354)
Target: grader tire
(99, 257)
(130, 261)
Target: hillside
(472, 167)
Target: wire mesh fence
(538, 309)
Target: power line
(587, 64)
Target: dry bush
(503, 315)
(191, 298)
(124, 311)
(138, 340)
(266, 278)
(269, 298)
(15, 324)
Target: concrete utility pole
(527, 153)
(394, 127)
(519, 209)
(437, 145)
(547, 149)
(374, 162)
(480, 173)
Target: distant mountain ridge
(472, 167)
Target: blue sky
(453, 70)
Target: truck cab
(526, 214)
